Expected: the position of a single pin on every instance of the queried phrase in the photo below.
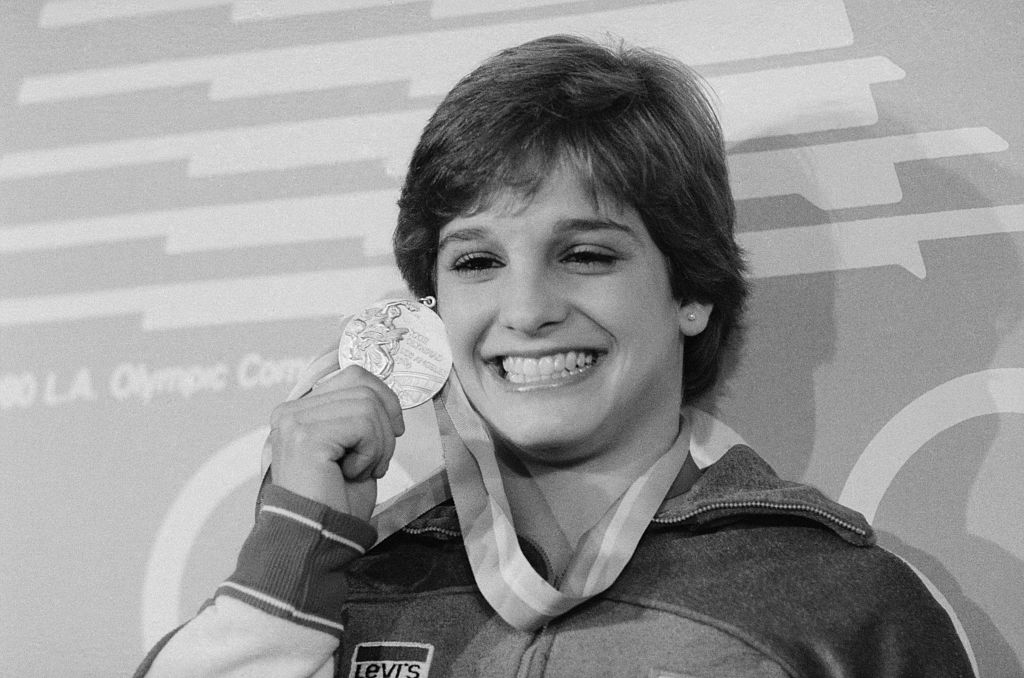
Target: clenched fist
(335, 443)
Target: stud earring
(691, 316)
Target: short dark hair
(636, 125)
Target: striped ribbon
(507, 580)
(471, 477)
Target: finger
(341, 403)
(362, 461)
(384, 462)
(353, 376)
(367, 440)
(325, 406)
(355, 444)
(330, 428)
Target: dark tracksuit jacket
(743, 575)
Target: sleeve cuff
(292, 564)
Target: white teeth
(520, 370)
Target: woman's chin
(552, 444)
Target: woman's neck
(555, 505)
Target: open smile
(545, 369)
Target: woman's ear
(693, 318)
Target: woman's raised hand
(335, 443)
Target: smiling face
(564, 332)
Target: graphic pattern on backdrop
(182, 177)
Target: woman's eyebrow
(561, 227)
(461, 235)
(589, 225)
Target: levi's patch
(391, 659)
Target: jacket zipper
(534, 661)
(799, 508)
(439, 530)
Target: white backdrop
(191, 191)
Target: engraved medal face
(404, 344)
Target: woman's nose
(530, 301)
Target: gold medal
(403, 343)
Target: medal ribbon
(507, 580)
(471, 477)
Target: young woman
(568, 206)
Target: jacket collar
(740, 484)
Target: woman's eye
(472, 263)
(590, 258)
